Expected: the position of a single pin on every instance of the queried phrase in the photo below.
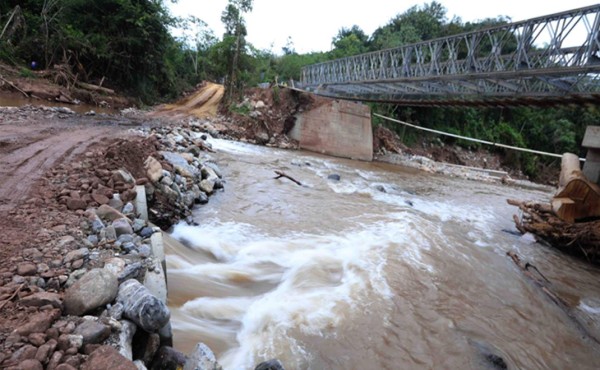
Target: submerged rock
(202, 358)
(270, 365)
(334, 177)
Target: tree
(349, 41)
(289, 49)
(235, 30)
(414, 25)
(197, 39)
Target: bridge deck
(544, 60)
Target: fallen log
(577, 197)
(96, 88)
(14, 86)
(283, 174)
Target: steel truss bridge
(540, 61)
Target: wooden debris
(283, 174)
(14, 86)
(577, 198)
(580, 238)
(12, 296)
(96, 88)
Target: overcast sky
(313, 23)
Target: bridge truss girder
(552, 58)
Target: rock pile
(109, 263)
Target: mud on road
(33, 141)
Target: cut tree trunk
(577, 197)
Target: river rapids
(387, 268)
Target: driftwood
(12, 296)
(544, 284)
(96, 88)
(283, 174)
(14, 86)
(580, 239)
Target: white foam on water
(591, 306)
(236, 147)
(317, 280)
(222, 240)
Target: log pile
(571, 220)
(580, 238)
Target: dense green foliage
(127, 42)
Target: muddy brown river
(387, 268)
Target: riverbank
(82, 277)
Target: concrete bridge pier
(337, 128)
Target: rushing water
(387, 268)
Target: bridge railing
(567, 41)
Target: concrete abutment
(337, 128)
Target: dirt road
(34, 141)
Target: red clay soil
(34, 144)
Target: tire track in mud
(22, 166)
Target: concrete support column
(338, 128)
(591, 141)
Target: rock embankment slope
(82, 280)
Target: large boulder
(96, 288)
(154, 170)
(181, 164)
(141, 307)
(108, 358)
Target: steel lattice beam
(552, 57)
